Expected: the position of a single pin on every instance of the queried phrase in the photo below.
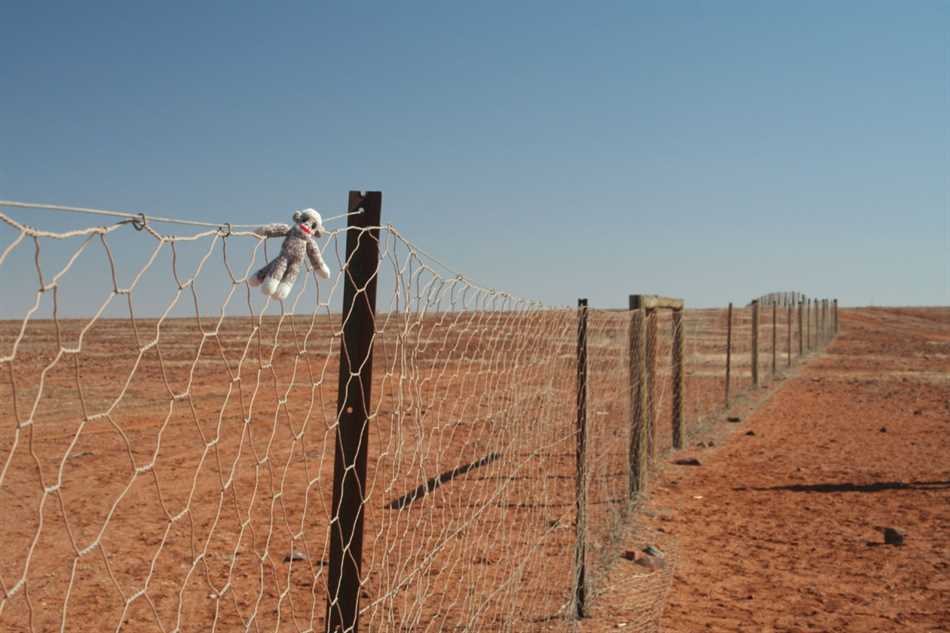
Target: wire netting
(167, 437)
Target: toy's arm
(316, 260)
(273, 230)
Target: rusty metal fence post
(353, 406)
(755, 343)
(581, 582)
(679, 422)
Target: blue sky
(710, 150)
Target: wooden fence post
(808, 324)
(774, 340)
(651, 315)
(836, 316)
(788, 343)
(679, 422)
(755, 342)
(801, 331)
(829, 320)
(638, 393)
(825, 313)
(581, 588)
(353, 406)
(728, 351)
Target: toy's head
(309, 222)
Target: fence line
(175, 473)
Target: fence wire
(167, 451)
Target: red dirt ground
(173, 512)
(780, 528)
(206, 506)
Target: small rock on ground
(687, 461)
(893, 536)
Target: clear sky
(709, 150)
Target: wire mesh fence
(168, 454)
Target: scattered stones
(893, 536)
(734, 418)
(750, 433)
(918, 411)
(687, 461)
(295, 555)
(883, 429)
(649, 557)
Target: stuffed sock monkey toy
(277, 278)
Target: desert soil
(780, 527)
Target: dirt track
(779, 529)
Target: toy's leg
(262, 273)
(274, 275)
(287, 283)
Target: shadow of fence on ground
(433, 483)
(878, 486)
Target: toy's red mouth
(304, 228)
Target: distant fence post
(836, 315)
(808, 324)
(755, 342)
(801, 331)
(679, 422)
(651, 318)
(825, 320)
(580, 524)
(829, 319)
(774, 339)
(638, 394)
(728, 350)
(648, 304)
(788, 343)
(353, 405)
